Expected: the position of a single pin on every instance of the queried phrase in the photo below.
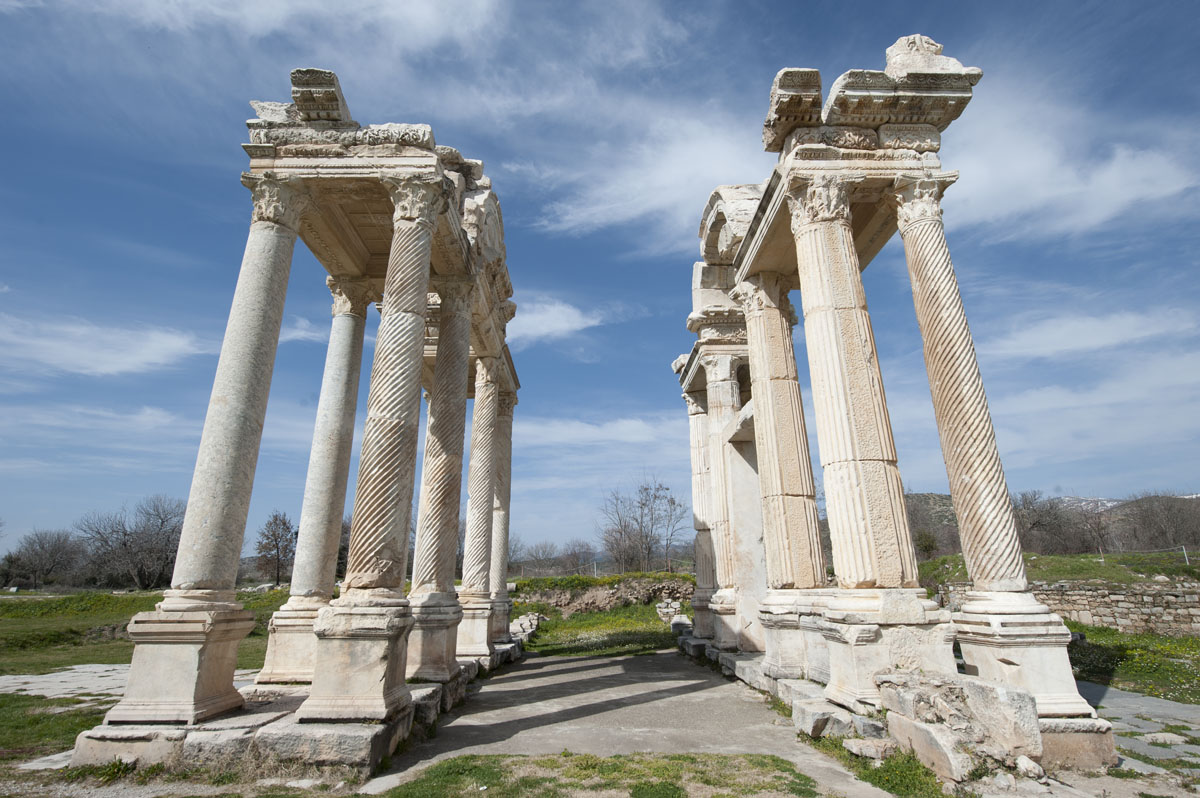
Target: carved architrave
(843, 136)
(918, 197)
(822, 198)
(417, 198)
(275, 200)
(919, 138)
(351, 296)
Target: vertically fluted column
(723, 401)
(986, 526)
(364, 632)
(790, 530)
(477, 546)
(706, 578)
(431, 646)
(502, 491)
(864, 498)
(1004, 632)
(291, 645)
(194, 631)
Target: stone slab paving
(1138, 721)
(85, 680)
(660, 703)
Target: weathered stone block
(872, 748)
(1077, 744)
(816, 717)
(934, 744)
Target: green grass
(901, 774)
(41, 635)
(636, 775)
(623, 630)
(1166, 667)
(1116, 568)
(28, 731)
(577, 583)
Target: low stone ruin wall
(607, 597)
(1166, 608)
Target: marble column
(794, 558)
(706, 580)
(435, 608)
(1005, 634)
(363, 633)
(880, 618)
(722, 399)
(291, 645)
(502, 495)
(186, 648)
(476, 594)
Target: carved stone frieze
(352, 295)
(275, 200)
(919, 138)
(843, 136)
(336, 140)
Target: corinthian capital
(694, 407)
(454, 295)
(756, 293)
(823, 198)
(919, 197)
(351, 296)
(486, 369)
(275, 200)
(416, 197)
(508, 400)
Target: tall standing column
(794, 558)
(291, 645)
(1004, 632)
(435, 608)
(502, 491)
(864, 498)
(364, 632)
(723, 401)
(185, 649)
(477, 547)
(706, 578)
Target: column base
(501, 612)
(362, 647)
(795, 647)
(1013, 639)
(702, 619)
(473, 632)
(1084, 744)
(183, 662)
(869, 631)
(723, 608)
(291, 644)
(433, 641)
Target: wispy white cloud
(4, 289)
(543, 317)
(78, 346)
(1075, 334)
(301, 329)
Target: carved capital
(757, 293)
(416, 198)
(694, 407)
(275, 200)
(351, 296)
(454, 296)
(919, 197)
(486, 369)
(508, 400)
(719, 367)
(823, 198)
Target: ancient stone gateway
(853, 169)
(416, 229)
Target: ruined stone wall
(606, 597)
(1167, 608)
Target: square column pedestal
(474, 630)
(722, 606)
(291, 645)
(795, 645)
(702, 619)
(183, 662)
(433, 642)
(362, 650)
(1014, 639)
(868, 631)
(498, 631)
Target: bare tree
(44, 554)
(543, 555)
(138, 547)
(276, 547)
(1150, 520)
(636, 528)
(576, 554)
(516, 548)
(617, 529)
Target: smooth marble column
(475, 594)
(185, 650)
(502, 492)
(1005, 633)
(435, 608)
(364, 632)
(291, 645)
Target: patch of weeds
(1156, 665)
(779, 706)
(656, 789)
(105, 774)
(901, 774)
(1123, 773)
(981, 771)
(150, 773)
(223, 777)
(623, 630)
(1151, 795)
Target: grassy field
(38, 635)
(624, 630)
(1118, 568)
(1167, 667)
(33, 726)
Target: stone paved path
(661, 703)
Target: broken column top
(918, 86)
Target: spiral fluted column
(864, 498)
(291, 646)
(474, 633)
(986, 526)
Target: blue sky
(604, 127)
